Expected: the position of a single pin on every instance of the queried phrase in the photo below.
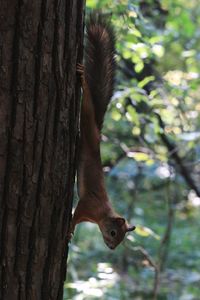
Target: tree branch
(172, 148)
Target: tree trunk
(39, 47)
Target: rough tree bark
(39, 106)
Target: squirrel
(97, 80)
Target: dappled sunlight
(86, 288)
(105, 279)
(193, 199)
(178, 77)
(164, 171)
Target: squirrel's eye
(113, 233)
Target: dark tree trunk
(39, 47)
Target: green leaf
(145, 81)
(132, 115)
(139, 156)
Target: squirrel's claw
(70, 236)
(80, 69)
(70, 232)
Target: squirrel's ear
(131, 228)
(120, 221)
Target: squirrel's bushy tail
(100, 63)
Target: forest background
(151, 156)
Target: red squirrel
(97, 80)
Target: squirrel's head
(113, 230)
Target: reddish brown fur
(94, 205)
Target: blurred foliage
(151, 156)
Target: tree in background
(39, 107)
